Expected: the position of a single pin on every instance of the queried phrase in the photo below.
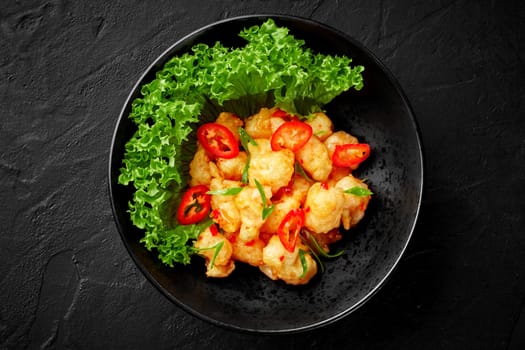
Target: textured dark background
(66, 280)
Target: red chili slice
(287, 117)
(292, 135)
(214, 230)
(218, 140)
(350, 154)
(194, 206)
(283, 191)
(279, 113)
(290, 227)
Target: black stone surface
(67, 280)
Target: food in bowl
(272, 69)
(277, 188)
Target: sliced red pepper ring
(287, 117)
(218, 140)
(290, 227)
(279, 113)
(194, 206)
(291, 135)
(214, 230)
(282, 192)
(349, 155)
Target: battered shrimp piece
(249, 203)
(250, 252)
(200, 168)
(207, 244)
(232, 122)
(259, 124)
(323, 208)
(322, 126)
(314, 159)
(281, 264)
(269, 168)
(224, 210)
(232, 168)
(338, 138)
(281, 208)
(354, 206)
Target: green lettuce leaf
(273, 68)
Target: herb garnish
(267, 210)
(359, 191)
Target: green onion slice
(232, 191)
(315, 247)
(267, 210)
(217, 247)
(359, 191)
(244, 178)
(300, 170)
(303, 262)
(245, 139)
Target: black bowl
(247, 300)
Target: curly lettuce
(273, 68)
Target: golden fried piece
(314, 159)
(200, 168)
(281, 208)
(249, 203)
(322, 126)
(232, 168)
(259, 124)
(354, 206)
(269, 168)
(232, 122)
(323, 208)
(225, 212)
(281, 264)
(250, 252)
(208, 243)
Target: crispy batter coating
(281, 264)
(207, 244)
(315, 159)
(269, 168)
(322, 126)
(225, 212)
(323, 208)
(200, 168)
(250, 205)
(232, 168)
(354, 206)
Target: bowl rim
(171, 50)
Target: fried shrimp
(323, 207)
(200, 168)
(225, 212)
(250, 205)
(322, 126)
(315, 159)
(259, 125)
(354, 206)
(216, 249)
(287, 266)
(273, 169)
(268, 196)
